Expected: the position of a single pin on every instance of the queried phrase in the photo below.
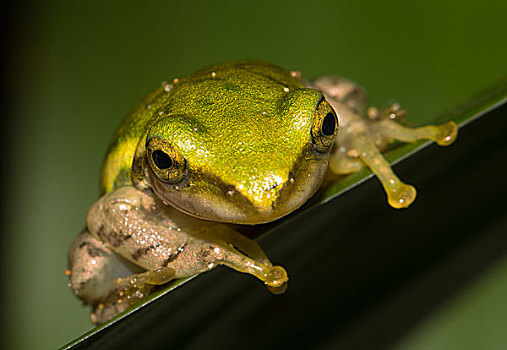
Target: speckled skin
(239, 142)
(243, 129)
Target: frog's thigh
(343, 90)
(94, 268)
(106, 281)
(443, 134)
(127, 291)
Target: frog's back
(249, 77)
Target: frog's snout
(266, 197)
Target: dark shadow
(362, 274)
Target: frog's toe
(401, 196)
(446, 133)
(276, 277)
(160, 276)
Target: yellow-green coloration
(117, 168)
(241, 142)
(243, 130)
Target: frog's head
(238, 157)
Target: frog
(236, 143)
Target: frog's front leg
(360, 141)
(169, 244)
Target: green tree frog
(243, 142)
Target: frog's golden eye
(167, 164)
(325, 127)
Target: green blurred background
(75, 69)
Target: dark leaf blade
(473, 109)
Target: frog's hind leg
(127, 291)
(342, 90)
(106, 281)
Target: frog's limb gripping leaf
(226, 234)
(223, 253)
(365, 139)
(126, 221)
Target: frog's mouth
(207, 197)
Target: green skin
(239, 118)
(242, 142)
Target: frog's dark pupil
(328, 124)
(161, 159)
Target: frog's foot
(272, 276)
(443, 134)
(399, 194)
(223, 253)
(362, 150)
(128, 291)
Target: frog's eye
(167, 164)
(161, 159)
(325, 126)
